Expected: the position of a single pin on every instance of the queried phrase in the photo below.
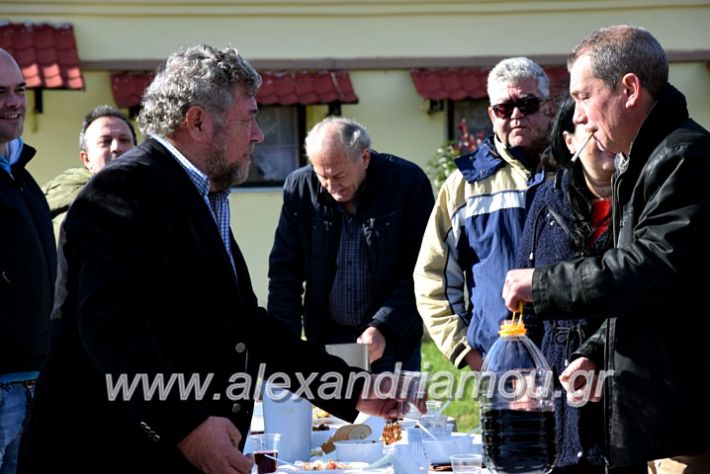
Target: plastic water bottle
(516, 399)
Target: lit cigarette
(584, 145)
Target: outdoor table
(374, 422)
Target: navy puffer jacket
(557, 229)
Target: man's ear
(491, 115)
(84, 157)
(198, 124)
(631, 85)
(366, 157)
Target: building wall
(377, 41)
(340, 29)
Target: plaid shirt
(351, 294)
(217, 203)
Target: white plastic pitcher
(291, 416)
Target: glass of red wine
(266, 447)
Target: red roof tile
(46, 54)
(305, 88)
(454, 84)
(278, 88)
(469, 83)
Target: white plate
(352, 467)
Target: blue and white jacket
(468, 246)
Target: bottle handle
(518, 313)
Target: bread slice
(346, 432)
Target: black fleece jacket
(28, 266)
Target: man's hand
(517, 288)
(385, 396)
(473, 359)
(375, 343)
(581, 382)
(212, 448)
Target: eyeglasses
(526, 106)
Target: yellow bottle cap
(512, 327)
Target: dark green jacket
(61, 192)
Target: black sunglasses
(526, 106)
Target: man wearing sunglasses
(473, 231)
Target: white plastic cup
(466, 463)
(266, 448)
(413, 388)
(435, 424)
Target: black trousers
(588, 469)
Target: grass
(464, 408)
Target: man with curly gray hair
(197, 76)
(153, 290)
(196, 88)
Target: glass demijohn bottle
(516, 393)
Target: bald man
(28, 264)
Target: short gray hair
(200, 75)
(623, 49)
(351, 135)
(518, 69)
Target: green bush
(464, 409)
(441, 165)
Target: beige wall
(335, 29)
(693, 79)
(332, 30)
